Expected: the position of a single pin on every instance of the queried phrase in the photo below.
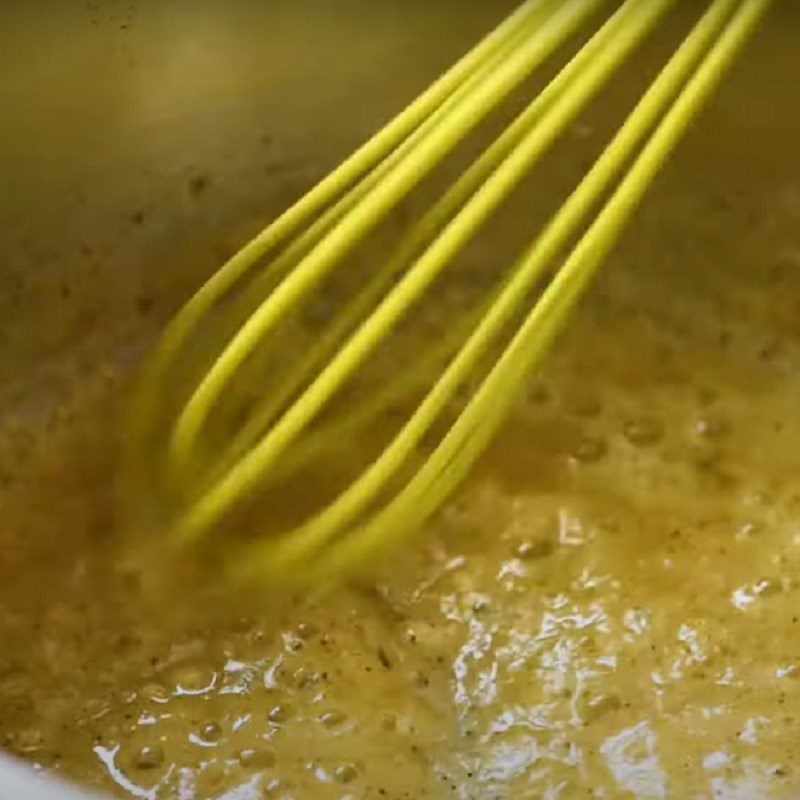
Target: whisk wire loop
(341, 210)
(472, 431)
(429, 224)
(395, 185)
(299, 546)
(638, 14)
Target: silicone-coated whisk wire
(333, 217)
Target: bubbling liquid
(608, 608)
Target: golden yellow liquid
(609, 608)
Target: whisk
(207, 482)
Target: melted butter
(609, 607)
(613, 621)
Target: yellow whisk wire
(429, 224)
(145, 407)
(293, 255)
(395, 185)
(631, 24)
(472, 431)
(246, 474)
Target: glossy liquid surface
(609, 608)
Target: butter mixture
(608, 608)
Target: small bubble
(383, 657)
(710, 427)
(346, 773)
(293, 643)
(257, 636)
(643, 431)
(149, 757)
(589, 450)
(780, 771)
(304, 678)
(155, 692)
(211, 731)
(480, 605)
(532, 549)
(257, 759)
(272, 787)
(333, 718)
(305, 630)
(767, 587)
(592, 708)
(279, 713)
(193, 679)
(747, 530)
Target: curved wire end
(350, 531)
